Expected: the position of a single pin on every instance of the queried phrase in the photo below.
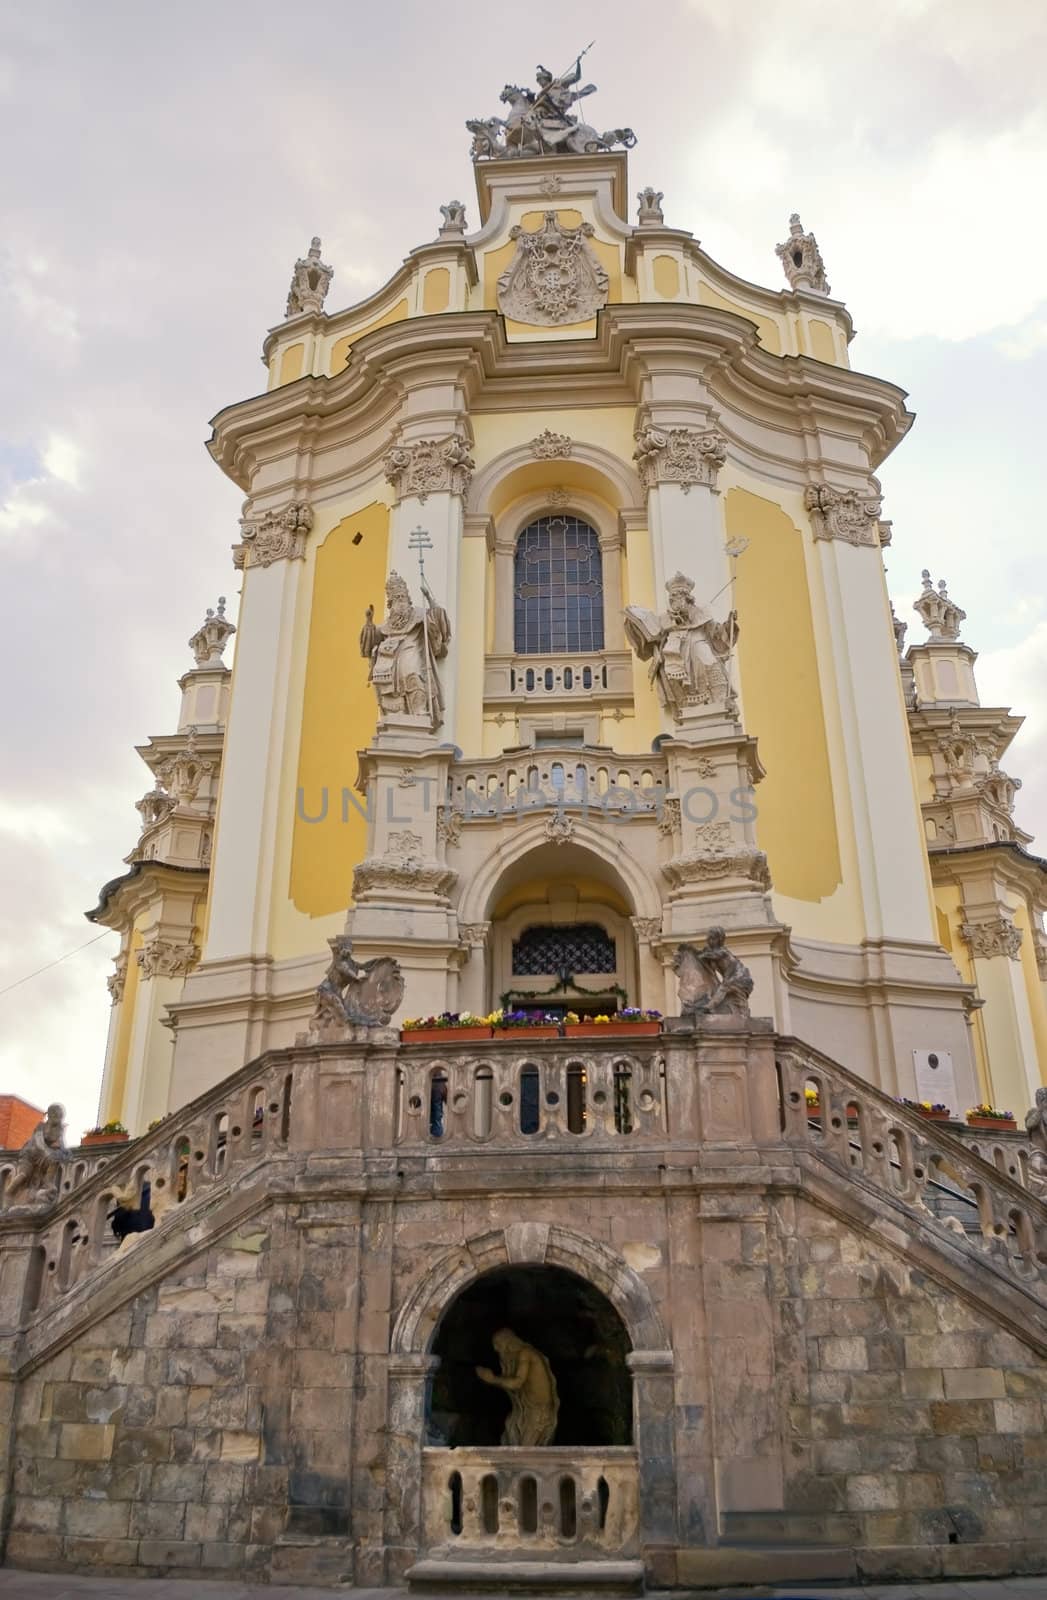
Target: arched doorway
(569, 1321)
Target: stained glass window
(558, 587)
(577, 947)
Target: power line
(56, 963)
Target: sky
(165, 165)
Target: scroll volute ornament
(554, 276)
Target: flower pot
(994, 1124)
(104, 1138)
(539, 1031)
(444, 1035)
(597, 1030)
(936, 1116)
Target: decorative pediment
(554, 277)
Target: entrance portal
(571, 1323)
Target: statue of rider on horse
(541, 123)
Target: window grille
(582, 947)
(558, 587)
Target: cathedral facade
(569, 715)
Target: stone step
(789, 1527)
(726, 1565)
(485, 1574)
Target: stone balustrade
(599, 677)
(505, 1094)
(900, 1153)
(236, 1124)
(575, 1499)
(553, 779)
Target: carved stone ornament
(542, 123)
(453, 225)
(669, 821)
(360, 994)
(554, 277)
(802, 260)
(900, 630)
(167, 958)
(559, 828)
(558, 498)
(647, 928)
(650, 214)
(941, 616)
(430, 466)
(449, 825)
(713, 981)
(551, 184)
(273, 536)
(701, 866)
(309, 283)
(474, 934)
(549, 446)
(997, 937)
(212, 636)
(686, 456)
(184, 772)
(34, 1184)
(117, 979)
(154, 806)
(845, 514)
(688, 651)
(403, 867)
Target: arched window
(558, 587)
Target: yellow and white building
(573, 407)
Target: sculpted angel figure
(403, 651)
(687, 650)
(365, 993)
(712, 979)
(527, 1378)
(40, 1161)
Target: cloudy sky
(164, 165)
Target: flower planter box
(936, 1116)
(539, 1031)
(104, 1138)
(442, 1035)
(993, 1124)
(598, 1030)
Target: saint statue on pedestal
(687, 650)
(403, 651)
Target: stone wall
(915, 1428)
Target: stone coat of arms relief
(554, 277)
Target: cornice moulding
(473, 352)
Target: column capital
(277, 534)
(997, 936)
(682, 455)
(845, 514)
(421, 467)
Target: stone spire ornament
(309, 283)
(940, 615)
(802, 259)
(453, 225)
(212, 636)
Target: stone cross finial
(453, 224)
(212, 636)
(310, 282)
(650, 214)
(801, 259)
(940, 615)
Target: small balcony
(599, 677)
(566, 1502)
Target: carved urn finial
(310, 282)
(801, 259)
(941, 616)
(650, 214)
(212, 636)
(453, 225)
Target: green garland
(570, 987)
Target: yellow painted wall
(770, 333)
(436, 290)
(665, 272)
(470, 627)
(823, 345)
(783, 700)
(948, 905)
(338, 710)
(291, 363)
(341, 348)
(115, 1109)
(1033, 987)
